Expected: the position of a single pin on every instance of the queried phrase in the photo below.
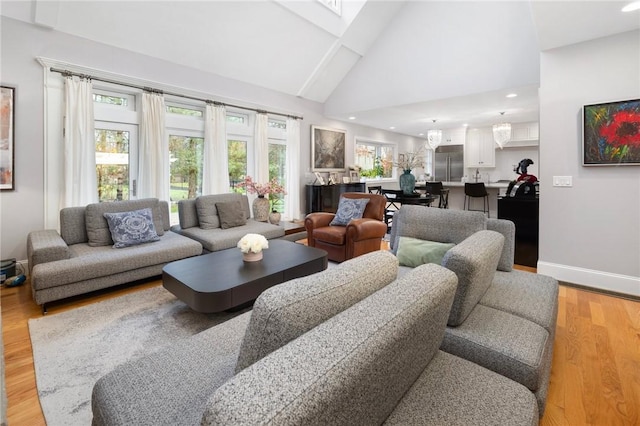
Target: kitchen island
(456, 195)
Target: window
(185, 154)
(277, 169)
(174, 109)
(113, 160)
(114, 99)
(236, 118)
(237, 155)
(375, 159)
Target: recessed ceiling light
(631, 6)
(352, 118)
(465, 125)
(392, 127)
(420, 134)
(512, 95)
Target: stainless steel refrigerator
(448, 163)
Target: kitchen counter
(456, 195)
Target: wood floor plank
(595, 376)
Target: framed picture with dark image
(7, 135)
(327, 149)
(611, 133)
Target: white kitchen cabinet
(524, 134)
(454, 136)
(479, 148)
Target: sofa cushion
(88, 262)
(474, 261)
(131, 228)
(288, 310)
(454, 391)
(171, 386)
(208, 213)
(508, 229)
(349, 208)
(507, 344)
(98, 233)
(415, 252)
(230, 214)
(73, 228)
(331, 234)
(526, 294)
(220, 239)
(352, 368)
(441, 225)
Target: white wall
(22, 210)
(590, 232)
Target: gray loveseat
(81, 259)
(199, 220)
(343, 346)
(502, 319)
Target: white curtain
(292, 199)
(215, 168)
(153, 164)
(80, 181)
(262, 148)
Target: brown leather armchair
(360, 236)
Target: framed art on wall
(611, 133)
(327, 149)
(7, 133)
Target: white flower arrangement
(253, 243)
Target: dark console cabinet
(523, 212)
(325, 198)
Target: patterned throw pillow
(349, 208)
(131, 228)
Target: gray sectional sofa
(343, 346)
(81, 259)
(502, 319)
(199, 220)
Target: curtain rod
(68, 73)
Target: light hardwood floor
(595, 378)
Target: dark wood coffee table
(221, 280)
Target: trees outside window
(185, 155)
(375, 159)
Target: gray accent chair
(199, 221)
(377, 362)
(81, 259)
(501, 318)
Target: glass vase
(407, 182)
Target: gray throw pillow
(131, 228)
(230, 214)
(349, 208)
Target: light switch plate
(565, 181)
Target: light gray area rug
(72, 350)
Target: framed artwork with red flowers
(611, 133)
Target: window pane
(374, 160)
(237, 164)
(185, 155)
(110, 100)
(112, 164)
(277, 124)
(277, 169)
(184, 111)
(235, 119)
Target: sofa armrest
(46, 246)
(316, 220)
(365, 229)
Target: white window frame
(378, 143)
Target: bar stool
(436, 188)
(476, 190)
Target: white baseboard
(590, 278)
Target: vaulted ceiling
(387, 63)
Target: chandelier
(434, 137)
(502, 133)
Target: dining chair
(436, 189)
